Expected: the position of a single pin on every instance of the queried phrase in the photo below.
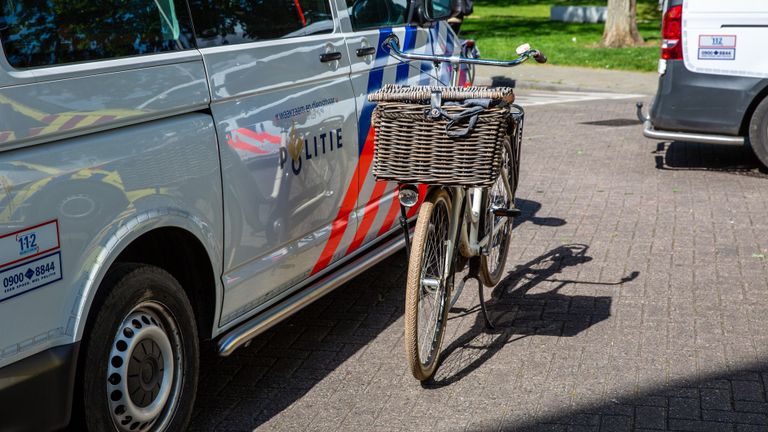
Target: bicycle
(463, 215)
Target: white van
(177, 170)
(713, 70)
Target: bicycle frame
(468, 242)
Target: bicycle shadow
(517, 314)
(528, 209)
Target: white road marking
(537, 97)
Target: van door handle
(362, 52)
(329, 57)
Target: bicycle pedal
(504, 212)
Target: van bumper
(36, 393)
(663, 135)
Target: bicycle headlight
(408, 195)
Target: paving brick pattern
(635, 298)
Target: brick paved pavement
(636, 299)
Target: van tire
(758, 132)
(144, 319)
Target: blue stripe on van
(375, 78)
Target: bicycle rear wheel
(495, 197)
(430, 276)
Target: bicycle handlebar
(392, 42)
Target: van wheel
(141, 357)
(758, 132)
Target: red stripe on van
(104, 119)
(369, 215)
(49, 118)
(72, 122)
(259, 136)
(394, 210)
(241, 145)
(339, 225)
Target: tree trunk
(621, 25)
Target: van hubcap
(143, 378)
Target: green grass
(499, 26)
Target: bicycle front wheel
(430, 276)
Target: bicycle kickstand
(474, 268)
(404, 226)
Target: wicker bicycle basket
(412, 147)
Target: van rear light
(671, 34)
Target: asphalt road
(635, 298)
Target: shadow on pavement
(517, 314)
(688, 156)
(257, 382)
(528, 209)
(717, 401)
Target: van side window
(370, 14)
(49, 32)
(224, 22)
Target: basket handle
(470, 113)
(436, 112)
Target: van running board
(246, 331)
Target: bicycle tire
(431, 232)
(492, 263)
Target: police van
(713, 84)
(174, 171)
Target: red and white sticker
(29, 242)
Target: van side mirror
(436, 10)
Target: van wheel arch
(181, 254)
